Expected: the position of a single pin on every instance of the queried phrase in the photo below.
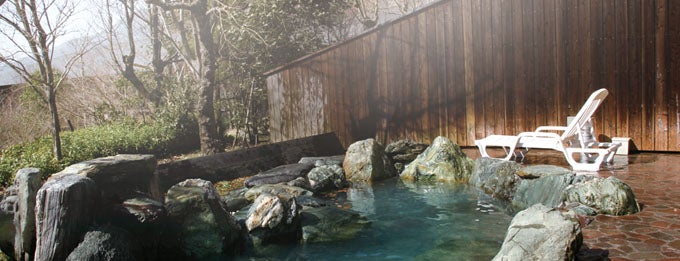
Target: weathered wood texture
(467, 69)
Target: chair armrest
(551, 128)
(539, 135)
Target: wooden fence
(466, 69)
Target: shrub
(160, 138)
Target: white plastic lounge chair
(572, 141)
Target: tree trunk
(207, 127)
(56, 139)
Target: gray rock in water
(144, 217)
(443, 160)
(65, 207)
(281, 190)
(273, 220)
(496, 177)
(537, 171)
(542, 233)
(366, 161)
(402, 152)
(200, 227)
(279, 174)
(107, 244)
(300, 182)
(548, 190)
(327, 224)
(329, 177)
(27, 182)
(118, 177)
(323, 161)
(609, 196)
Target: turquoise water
(415, 221)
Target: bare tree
(205, 48)
(34, 28)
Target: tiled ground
(653, 233)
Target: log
(246, 162)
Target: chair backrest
(586, 112)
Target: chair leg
(508, 150)
(594, 166)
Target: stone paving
(653, 233)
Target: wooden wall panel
(467, 69)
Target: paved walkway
(653, 233)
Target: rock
(312, 202)
(542, 233)
(402, 152)
(443, 160)
(118, 177)
(200, 227)
(65, 207)
(366, 161)
(327, 224)
(279, 174)
(107, 243)
(537, 171)
(328, 177)
(323, 161)
(281, 190)
(235, 200)
(609, 196)
(7, 234)
(274, 220)
(144, 217)
(496, 177)
(27, 182)
(547, 190)
(300, 182)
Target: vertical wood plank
(498, 17)
(673, 47)
(478, 63)
(561, 66)
(596, 57)
(648, 74)
(510, 49)
(469, 74)
(635, 71)
(622, 69)
(660, 99)
(520, 84)
(440, 68)
(549, 70)
(609, 70)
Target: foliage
(259, 35)
(160, 138)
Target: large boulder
(366, 161)
(27, 182)
(443, 160)
(106, 244)
(542, 233)
(402, 152)
(547, 190)
(272, 219)
(281, 190)
(609, 196)
(327, 177)
(200, 227)
(280, 174)
(64, 210)
(117, 177)
(537, 171)
(328, 224)
(496, 177)
(323, 161)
